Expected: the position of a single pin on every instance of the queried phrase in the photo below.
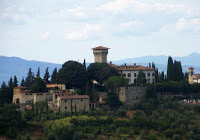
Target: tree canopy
(101, 72)
(73, 74)
(141, 78)
(39, 85)
(116, 81)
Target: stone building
(131, 72)
(75, 102)
(130, 95)
(21, 96)
(193, 78)
(100, 54)
(60, 94)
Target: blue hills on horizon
(10, 66)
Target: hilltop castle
(193, 78)
(131, 71)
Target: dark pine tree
(149, 65)
(178, 71)
(84, 63)
(153, 65)
(46, 76)
(141, 78)
(10, 90)
(29, 79)
(38, 72)
(54, 76)
(170, 69)
(3, 94)
(23, 82)
(15, 82)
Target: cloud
(188, 24)
(77, 12)
(45, 35)
(82, 34)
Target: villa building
(131, 72)
(193, 78)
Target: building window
(65, 101)
(38, 94)
(129, 75)
(84, 106)
(153, 74)
(148, 74)
(81, 100)
(26, 94)
(124, 75)
(31, 94)
(66, 107)
(135, 75)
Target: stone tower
(100, 54)
(190, 75)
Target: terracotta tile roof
(191, 68)
(75, 97)
(63, 93)
(27, 107)
(197, 76)
(133, 67)
(100, 48)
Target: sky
(60, 30)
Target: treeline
(172, 87)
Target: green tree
(38, 72)
(178, 71)
(84, 63)
(4, 95)
(29, 79)
(153, 65)
(46, 76)
(23, 82)
(115, 82)
(39, 85)
(54, 76)
(113, 100)
(11, 119)
(73, 74)
(15, 82)
(101, 72)
(141, 78)
(170, 69)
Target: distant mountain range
(10, 66)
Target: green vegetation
(73, 74)
(101, 72)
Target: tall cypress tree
(170, 69)
(38, 72)
(178, 71)
(54, 76)
(3, 94)
(15, 82)
(10, 90)
(29, 79)
(153, 65)
(46, 76)
(23, 82)
(84, 63)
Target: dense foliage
(174, 70)
(39, 86)
(73, 74)
(172, 87)
(101, 72)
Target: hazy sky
(60, 30)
